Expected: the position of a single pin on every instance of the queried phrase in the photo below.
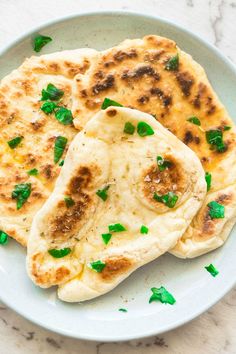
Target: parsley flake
(116, 228)
(216, 210)
(63, 115)
(123, 310)
(162, 295)
(59, 253)
(144, 229)
(162, 163)
(21, 193)
(194, 120)
(69, 202)
(33, 172)
(40, 41)
(215, 138)
(106, 238)
(51, 93)
(208, 180)
(169, 199)
(108, 102)
(13, 143)
(102, 193)
(48, 107)
(61, 163)
(129, 128)
(3, 238)
(144, 129)
(173, 63)
(97, 266)
(227, 127)
(59, 147)
(212, 270)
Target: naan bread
(20, 115)
(104, 155)
(134, 74)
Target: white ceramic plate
(194, 289)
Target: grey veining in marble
(214, 331)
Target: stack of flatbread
(110, 159)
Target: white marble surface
(213, 332)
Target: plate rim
(218, 53)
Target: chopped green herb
(98, 266)
(216, 210)
(107, 103)
(102, 193)
(173, 63)
(144, 129)
(227, 127)
(212, 270)
(15, 142)
(162, 295)
(169, 199)
(51, 93)
(106, 238)
(21, 193)
(129, 128)
(194, 120)
(208, 180)
(215, 138)
(64, 115)
(61, 163)
(162, 164)
(144, 229)
(154, 116)
(48, 107)
(3, 238)
(69, 202)
(40, 41)
(33, 172)
(59, 253)
(116, 228)
(59, 147)
(123, 310)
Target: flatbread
(104, 155)
(134, 74)
(20, 115)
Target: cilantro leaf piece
(21, 193)
(212, 270)
(216, 210)
(33, 172)
(173, 63)
(162, 295)
(169, 199)
(102, 193)
(97, 266)
(129, 128)
(13, 143)
(208, 180)
(194, 120)
(106, 238)
(162, 163)
(69, 202)
(227, 127)
(123, 310)
(64, 115)
(59, 253)
(116, 228)
(215, 138)
(144, 129)
(3, 238)
(144, 229)
(40, 41)
(108, 102)
(59, 147)
(51, 93)
(61, 163)
(48, 107)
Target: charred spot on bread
(115, 266)
(121, 55)
(165, 98)
(104, 85)
(111, 112)
(185, 81)
(139, 72)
